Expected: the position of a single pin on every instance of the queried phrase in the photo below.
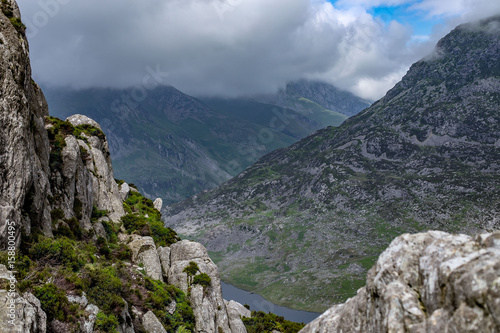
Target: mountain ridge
(191, 144)
(423, 157)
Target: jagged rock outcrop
(105, 189)
(25, 315)
(144, 252)
(235, 312)
(42, 174)
(427, 282)
(24, 147)
(208, 305)
(168, 264)
(125, 321)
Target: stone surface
(24, 145)
(107, 195)
(28, 314)
(152, 324)
(125, 321)
(427, 282)
(208, 305)
(124, 191)
(144, 252)
(81, 300)
(88, 321)
(79, 119)
(164, 255)
(158, 203)
(235, 312)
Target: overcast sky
(237, 47)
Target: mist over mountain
(304, 224)
(173, 145)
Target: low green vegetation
(15, 21)
(144, 219)
(73, 263)
(261, 322)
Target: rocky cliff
(85, 252)
(428, 282)
(24, 145)
(311, 219)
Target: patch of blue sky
(420, 21)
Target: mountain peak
(423, 157)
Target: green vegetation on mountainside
(304, 224)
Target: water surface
(259, 303)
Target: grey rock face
(24, 148)
(28, 314)
(125, 321)
(158, 203)
(124, 191)
(152, 324)
(164, 255)
(208, 305)
(144, 252)
(235, 311)
(91, 312)
(428, 282)
(107, 195)
(81, 300)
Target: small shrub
(106, 323)
(123, 252)
(53, 301)
(56, 214)
(203, 280)
(56, 251)
(104, 288)
(97, 214)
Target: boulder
(158, 203)
(208, 305)
(125, 321)
(427, 282)
(124, 191)
(80, 300)
(144, 252)
(152, 324)
(90, 318)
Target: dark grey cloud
(229, 47)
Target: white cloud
(227, 47)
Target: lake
(259, 303)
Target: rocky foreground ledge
(427, 282)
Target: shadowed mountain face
(172, 145)
(303, 224)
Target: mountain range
(84, 252)
(304, 224)
(172, 145)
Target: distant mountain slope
(303, 224)
(173, 145)
(299, 95)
